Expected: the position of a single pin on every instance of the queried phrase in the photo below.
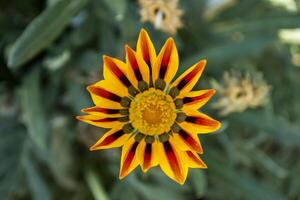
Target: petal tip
(218, 125)
(180, 180)
(84, 110)
(202, 63)
(211, 92)
(90, 88)
(170, 44)
(145, 168)
(80, 118)
(104, 57)
(170, 39)
(143, 33)
(107, 58)
(93, 148)
(198, 149)
(128, 49)
(122, 175)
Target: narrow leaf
(42, 31)
(34, 112)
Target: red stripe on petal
(104, 93)
(134, 64)
(197, 98)
(195, 158)
(201, 121)
(147, 156)
(115, 69)
(101, 110)
(189, 76)
(129, 158)
(111, 138)
(165, 60)
(145, 48)
(104, 120)
(189, 140)
(172, 159)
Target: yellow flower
(154, 120)
(164, 14)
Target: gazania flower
(154, 120)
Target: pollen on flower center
(152, 112)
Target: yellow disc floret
(152, 112)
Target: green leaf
(118, 7)
(245, 185)
(37, 184)
(43, 30)
(123, 191)
(12, 141)
(33, 109)
(259, 25)
(264, 161)
(95, 185)
(62, 158)
(198, 182)
(76, 90)
(153, 185)
(277, 127)
(223, 53)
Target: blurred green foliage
(51, 50)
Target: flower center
(152, 112)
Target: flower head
(239, 92)
(164, 14)
(153, 119)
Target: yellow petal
(137, 68)
(187, 141)
(166, 64)
(102, 112)
(171, 161)
(147, 155)
(129, 159)
(189, 78)
(114, 71)
(103, 122)
(113, 138)
(104, 96)
(193, 160)
(145, 49)
(197, 122)
(196, 99)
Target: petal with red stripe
(187, 141)
(197, 122)
(104, 96)
(196, 99)
(129, 159)
(166, 64)
(113, 138)
(147, 155)
(99, 111)
(189, 78)
(194, 161)
(137, 68)
(103, 122)
(145, 48)
(114, 71)
(171, 161)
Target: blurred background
(50, 50)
